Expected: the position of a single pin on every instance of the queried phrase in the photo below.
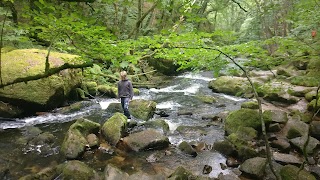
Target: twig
(239, 5)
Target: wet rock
(315, 170)
(93, 140)
(202, 146)
(232, 162)
(196, 130)
(312, 105)
(181, 173)
(254, 166)
(142, 109)
(269, 174)
(106, 148)
(185, 113)
(145, 176)
(286, 158)
(242, 118)
(282, 144)
(162, 113)
(224, 147)
(75, 140)
(187, 149)
(154, 157)
(207, 99)
(77, 170)
(158, 124)
(149, 139)
(113, 129)
(206, 169)
(108, 91)
(290, 172)
(9, 111)
(74, 107)
(311, 95)
(114, 108)
(223, 166)
(221, 105)
(113, 173)
(300, 141)
(211, 117)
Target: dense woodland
(123, 34)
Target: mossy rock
(113, 129)
(305, 81)
(91, 87)
(277, 116)
(230, 85)
(243, 149)
(187, 149)
(142, 109)
(291, 172)
(207, 99)
(250, 105)
(242, 118)
(312, 105)
(108, 91)
(157, 124)
(225, 147)
(311, 95)
(181, 173)
(77, 170)
(42, 94)
(9, 111)
(277, 91)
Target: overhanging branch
(239, 5)
(50, 72)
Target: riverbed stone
(149, 139)
(313, 105)
(254, 166)
(242, 118)
(159, 124)
(113, 173)
(206, 99)
(291, 172)
(311, 95)
(77, 170)
(93, 140)
(75, 141)
(286, 158)
(230, 85)
(281, 143)
(224, 147)
(295, 128)
(9, 111)
(142, 109)
(250, 105)
(113, 129)
(315, 129)
(181, 173)
(275, 116)
(38, 95)
(108, 91)
(299, 142)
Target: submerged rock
(77, 170)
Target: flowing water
(178, 96)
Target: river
(19, 159)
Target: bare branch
(239, 5)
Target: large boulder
(149, 139)
(242, 118)
(113, 129)
(291, 172)
(295, 128)
(77, 170)
(42, 94)
(75, 141)
(142, 109)
(237, 86)
(254, 166)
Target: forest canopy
(123, 34)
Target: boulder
(299, 142)
(295, 128)
(113, 173)
(237, 86)
(187, 149)
(75, 141)
(149, 139)
(242, 118)
(113, 129)
(250, 105)
(108, 91)
(142, 109)
(291, 172)
(206, 99)
(254, 166)
(9, 111)
(158, 124)
(313, 105)
(282, 144)
(77, 170)
(286, 158)
(315, 129)
(275, 116)
(37, 95)
(243, 148)
(224, 147)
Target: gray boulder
(300, 141)
(295, 128)
(254, 166)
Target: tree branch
(50, 72)
(239, 5)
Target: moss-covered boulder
(108, 91)
(311, 78)
(242, 145)
(250, 105)
(225, 147)
(90, 87)
(230, 85)
(9, 111)
(42, 94)
(186, 148)
(275, 116)
(295, 128)
(77, 170)
(113, 129)
(158, 124)
(142, 109)
(277, 91)
(291, 172)
(311, 95)
(75, 141)
(313, 105)
(207, 99)
(242, 118)
(149, 139)
(254, 167)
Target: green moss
(312, 105)
(291, 172)
(305, 81)
(250, 105)
(242, 118)
(142, 109)
(108, 90)
(207, 99)
(114, 128)
(230, 85)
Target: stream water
(180, 95)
